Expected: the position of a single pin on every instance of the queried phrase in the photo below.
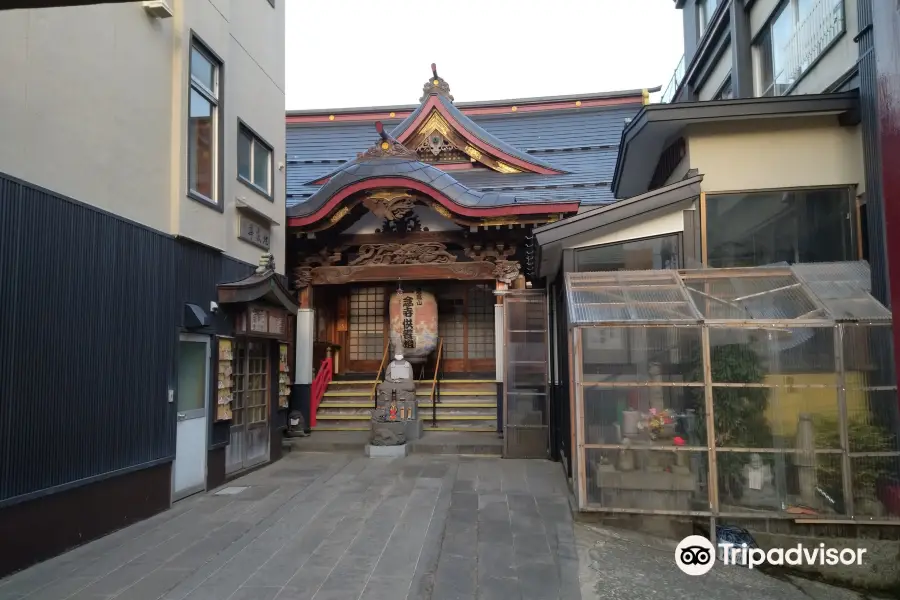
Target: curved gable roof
(474, 133)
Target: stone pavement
(341, 527)
(338, 527)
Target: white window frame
(213, 97)
(256, 140)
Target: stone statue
(395, 418)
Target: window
(761, 228)
(797, 34)
(725, 92)
(203, 123)
(663, 252)
(705, 11)
(254, 160)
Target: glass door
(189, 472)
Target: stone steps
(465, 405)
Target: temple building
(404, 222)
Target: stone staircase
(466, 405)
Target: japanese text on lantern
(409, 340)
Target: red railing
(320, 384)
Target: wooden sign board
(263, 321)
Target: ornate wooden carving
(323, 258)
(435, 84)
(403, 254)
(388, 147)
(302, 277)
(491, 252)
(506, 271)
(389, 205)
(477, 271)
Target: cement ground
(327, 526)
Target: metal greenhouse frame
(763, 392)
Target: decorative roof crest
(388, 147)
(436, 85)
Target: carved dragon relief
(389, 205)
(506, 271)
(403, 254)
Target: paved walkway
(342, 527)
(339, 527)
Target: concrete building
(141, 178)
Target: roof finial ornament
(435, 86)
(387, 147)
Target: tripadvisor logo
(696, 555)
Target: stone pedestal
(387, 451)
(387, 433)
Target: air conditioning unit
(158, 9)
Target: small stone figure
(757, 474)
(389, 425)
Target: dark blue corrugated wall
(90, 310)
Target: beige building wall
(249, 39)
(99, 108)
(85, 105)
(717, 77)
(798, 152)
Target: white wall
(93, 105)
(659, 222)
(796, 152)
(85, 105)
(717, 77)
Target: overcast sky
(343, 53)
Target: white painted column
(498, 341)
(306, 323)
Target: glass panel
(257, 390)
(240, 383)
(366, 324)
(191, 375)
(203, 70)
(764, 68)
(641, 255)
(451, 326)
(481, 323)
(261, 161)
(782, 30)
(244, 149)
(641, 354)
(201, 145)
(761, 228)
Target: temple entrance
(465, 323)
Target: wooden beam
(469, 271)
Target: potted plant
(739, 412)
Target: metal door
(249, 442)
(526, 374)
(189, 472)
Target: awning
(657, 125)
(552, 239)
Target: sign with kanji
(254, 232)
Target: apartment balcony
(823, 25)
(669, 93)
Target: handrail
(319, 385)
(436, 382)
(372, 397)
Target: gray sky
(343, 53)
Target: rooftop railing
(823, 24)
(669, 93)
